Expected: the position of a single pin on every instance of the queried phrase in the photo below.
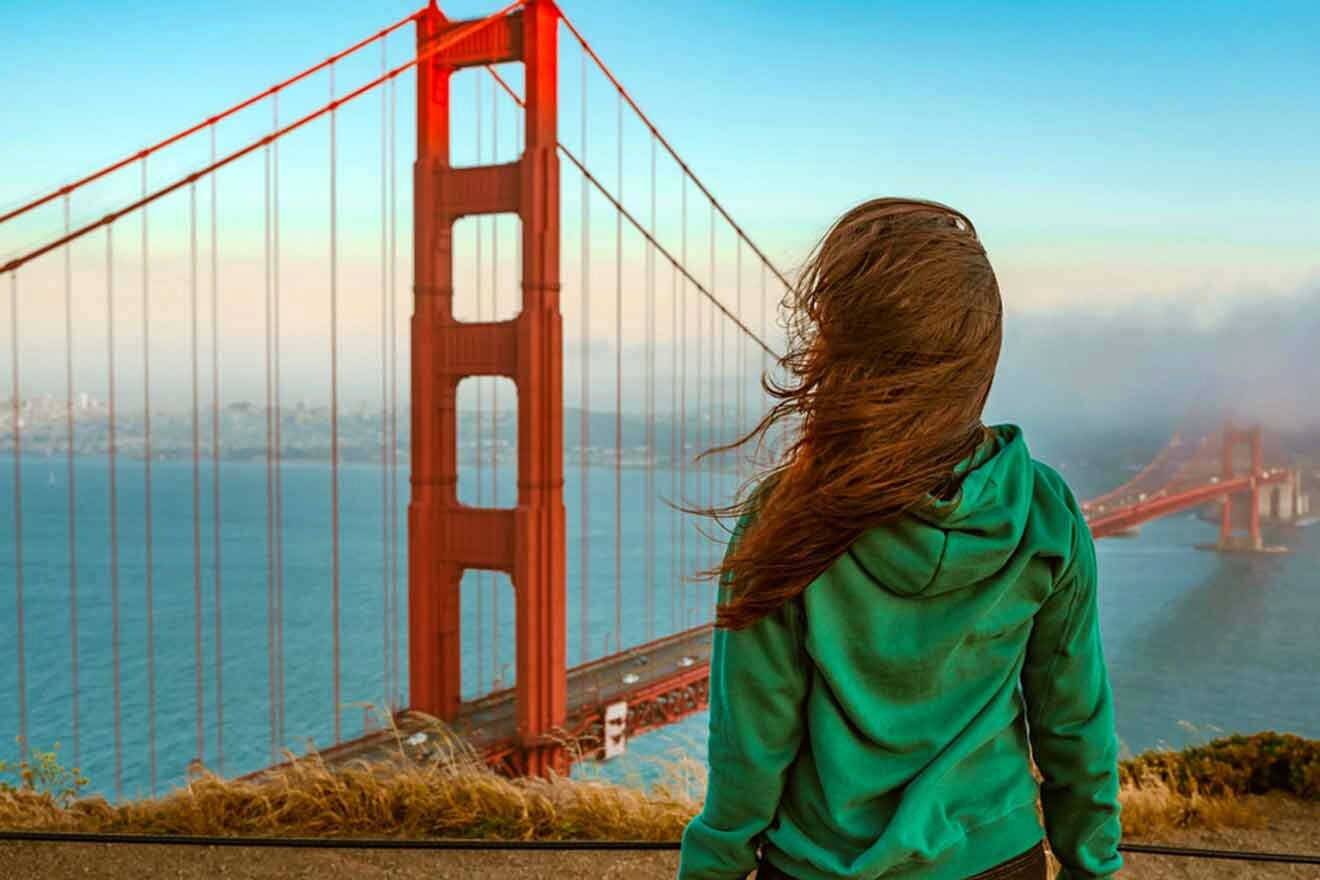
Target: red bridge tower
(1227, 540)
(445, 537)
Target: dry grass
(450, 793)
(1156, 807)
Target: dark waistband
(1030, 865)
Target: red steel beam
(1122, 520)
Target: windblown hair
(894, 328)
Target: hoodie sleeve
(1070, 712)
(757, 687)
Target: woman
(907, 608)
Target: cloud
(1150, 364)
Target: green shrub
(1254, 764)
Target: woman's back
(903, 595)
(897, 672)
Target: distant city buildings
(304, 432)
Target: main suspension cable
(147, 151)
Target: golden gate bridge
(622, 692)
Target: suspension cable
(72, 492)
(147, 151)
(765, 355)
(215, 471)
(675, 451)
(394, 405)
(682, 418)
(196, 475)
(713, 463)
(334, 404)
(384, 386)
(584, 424)
(650, 418)
(279, 473)
(742, 361)
(518, 140)
(114, 519)
(270, 480)
(681, 266)
(699, 551)
(618, 403)
(479, 576)
(494, 390)
(686, 170)
(18, 512)
(439, 46)
(146, 497)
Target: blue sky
(1115, 157)
(1073, 133)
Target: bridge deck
(666, 679)
(489, 722)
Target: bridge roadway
(667, 679)
(662, 681)
(1162, 503)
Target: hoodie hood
(962, 541)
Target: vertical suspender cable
(742, 382)
(215, 473)
(384, 391)
(618, 401)
(197, 508)
(674, 452)
(146, 495)
(114, 519)
(682, 419)
(72, 492)
(650, 417)
(699, 551)
(17, 428)
(479, 577)
(517, 240)
(279, 473)
(715, 477)
(765, 355)
(494, 387)
(334, 407)
(270, 486)
(394, 408)
(584, 425)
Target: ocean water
(1197, 643)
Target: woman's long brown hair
(894, 328)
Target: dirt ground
(1294, 827)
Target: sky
(1127, 165)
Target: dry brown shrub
(1155, 806)
(446, 791)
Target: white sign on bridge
(616, 724)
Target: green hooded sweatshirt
(874, 726)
